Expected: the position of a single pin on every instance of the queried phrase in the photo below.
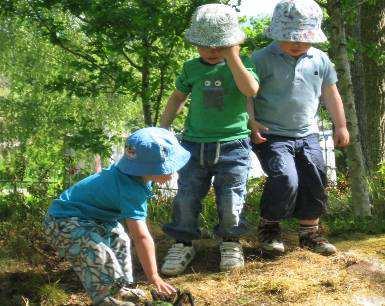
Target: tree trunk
(357, 70)
(373, 40)
(355, 161)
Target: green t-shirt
(217, 111)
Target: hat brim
(299, 36)
(175, 162)
(236, 38)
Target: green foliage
(340, 217)
(256, 39)
(21, 222)
(377, 190)
(40, 125)
(126, 47)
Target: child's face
(294, 49)
(159, 179)
(210, 55)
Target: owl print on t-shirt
(213, 93)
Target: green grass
(52, 295)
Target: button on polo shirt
(290, 88)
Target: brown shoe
(315, 242)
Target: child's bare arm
(333, 103)
(246, 83)
(255, 127)
(145, 248)
(174, 106)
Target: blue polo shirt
(290, 88)
(106, 196)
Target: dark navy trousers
(296, 181)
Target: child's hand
(341, 137)
(161, 285)
(230, 52)
(256, 129)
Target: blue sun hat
(297, 21)
(215, 25)
(152, 151)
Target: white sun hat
(215, 25)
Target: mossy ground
(355, 276)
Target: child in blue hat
(84, 223)
(216, 134)
(294, 76)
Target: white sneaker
(231, 256)
(177, 259)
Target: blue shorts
(296, 181)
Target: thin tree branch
(61, 44)
(130, 61)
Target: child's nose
(214, 51)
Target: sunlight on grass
(52, 295)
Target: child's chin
(214, 61)
(297, 53)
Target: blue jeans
(296, 178)
(229, 163)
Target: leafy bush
(21, 225)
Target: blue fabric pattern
(297, 20)
(99, 252)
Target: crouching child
(85, 223)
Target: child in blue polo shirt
(83, 224)
(294, 75)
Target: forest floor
(354, 276)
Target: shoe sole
(273, 251)
(226, 269)
(318, 252)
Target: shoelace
(175, 253)
(231, 251)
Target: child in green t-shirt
(216, 134)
